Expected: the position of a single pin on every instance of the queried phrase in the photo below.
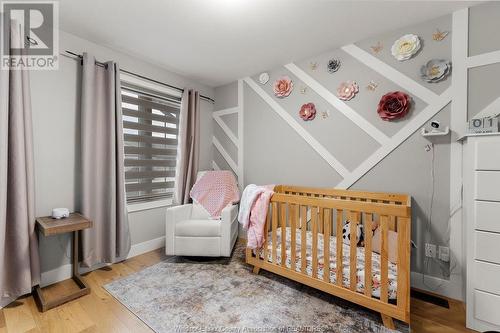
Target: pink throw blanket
(215, 190)
(253, 213)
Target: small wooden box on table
(48, 227)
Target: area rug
(180, 296)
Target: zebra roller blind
(150, 125)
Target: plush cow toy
(346, 233)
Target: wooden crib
(324, 211)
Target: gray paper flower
(333, 65)
(435, 70)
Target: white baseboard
(436, 285)
(55, 275)
(146, 246)
(64, 272)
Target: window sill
(137, 207)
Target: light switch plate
(444, 253)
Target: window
(150, 125)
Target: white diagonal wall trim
(225, 154)
(345, 109)
(492, 109)
(237, 140)
(392, 74)
(226, 111)
(483, 59)
(318, 147)
(215, 166)
(226, 129)
(397, 139)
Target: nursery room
(249, 166)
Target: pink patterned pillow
(214, 191)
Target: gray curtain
(188, 154)
(19, 261)
(103, 176)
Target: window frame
(149, 85)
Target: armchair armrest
(174, 215)
(229, 225)
(229, 214)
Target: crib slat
(326, 244)
(340, 245)
(392, 221)
(303, 239)
(320, 219)
(274, 227)
(266, 236)
(403, 228)
(384, 269)
(353, 251)
(283, 233)
(368, 254)
(314, 226)
(294, 209)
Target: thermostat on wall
(59, 213)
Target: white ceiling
(218, 41)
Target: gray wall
(484, 25)
(275, 153)
(55, 101)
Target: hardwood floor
(100, 312)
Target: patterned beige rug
(179, 295)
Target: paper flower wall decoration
(435, 70)
(439, 35)
(347, 90)
(333, 65)
(377, 48)
(372, 86)
(405, 47)
(394, 105)
(283, 87)
(307, 111)
(263, 78)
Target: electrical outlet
(444, 253)
(430, 250)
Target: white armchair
(191, 232)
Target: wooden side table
(49, 226)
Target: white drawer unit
(487, 276)
(488, 247)
(487, 306)
(485, 160)
(481, 174)
(488, 185)
(487, 215)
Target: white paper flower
(263, 78)
(435, 70)
(405, 47)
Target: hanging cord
(425, 266)
(445, 269)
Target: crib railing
(324, 211)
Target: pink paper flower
(307, 111)
(394, 105)
(347, 90)
(283, 87)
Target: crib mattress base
(360, 255)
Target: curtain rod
(143, 77)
